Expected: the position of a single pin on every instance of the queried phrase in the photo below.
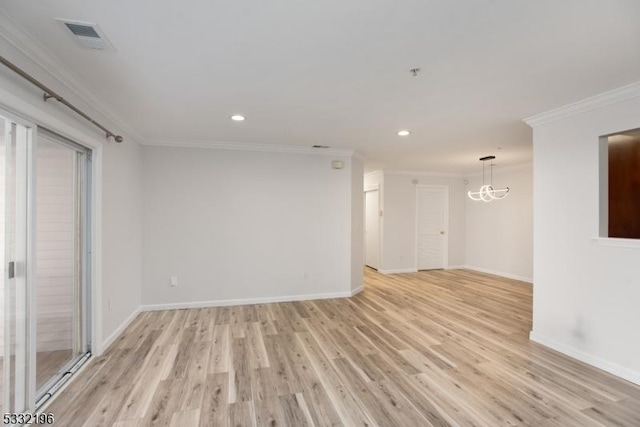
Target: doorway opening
(372, 228)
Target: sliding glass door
(17, 341)
(45, 245)
(61, 243)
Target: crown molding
(421, 173)
(358, 156)
(256, 147)
(582, 106)
(21, 40)
(504, 169)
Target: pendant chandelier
(487, 193)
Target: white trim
(220, 303)
(120, 329)
(245, 301)
(503, 169)
(20, 39)
(455, 267)
(498, 273)
(612, 368)
(422, 173)
(612, 241)
(398, 271)
(358, 156)
(251, 146)
(371, 189)
(375, 174)
(357, 290)
(585, 105)
(26, 111)
(96, 251)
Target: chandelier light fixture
(487, 193)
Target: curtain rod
(48, 93)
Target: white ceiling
(335, 72)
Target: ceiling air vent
(89, 35)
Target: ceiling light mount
(404, 132)
(415, 71)
(238, 118)
(487, 193)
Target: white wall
(119, 278)
(121, 235)
(499, 234)
(246, 226)
(586, 293)
(398, 205)
(357, 223)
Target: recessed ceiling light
(403, 132)
(237, 118)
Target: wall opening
(620, 185)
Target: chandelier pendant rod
(487, 193)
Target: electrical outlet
(174, 280)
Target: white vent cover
(89, 35)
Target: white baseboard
(612, 368)
(115, 334)
(498, 273)
(455, 267)
(219, 303)
(247, 301)
(398, 271)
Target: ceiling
(336, 72)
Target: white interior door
(432, 227)
(372, 228)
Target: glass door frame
(23, 140)
(81, 340)
(29, 396)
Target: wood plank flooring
(426, 349)
(48, 365)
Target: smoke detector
(88, 34)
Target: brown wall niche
(624, 185)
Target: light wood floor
(48, 365)
(431, 348)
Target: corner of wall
(357, 224)
(605, 365)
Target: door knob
(442, 232)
